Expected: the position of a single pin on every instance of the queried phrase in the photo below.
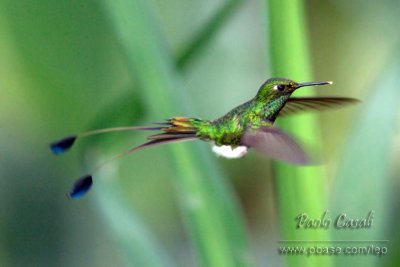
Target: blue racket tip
(63, 145)
(81, 187)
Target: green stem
(299, 189)
(209, 208)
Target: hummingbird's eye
(279, 87)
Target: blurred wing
(274, 143)
(297, 104)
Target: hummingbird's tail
(176, 129)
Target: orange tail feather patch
(176, 128)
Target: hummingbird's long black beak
(312, 84)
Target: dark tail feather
(166, 136)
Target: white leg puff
(228, 152)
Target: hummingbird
(250, 125)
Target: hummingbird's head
(275, 88)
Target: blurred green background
(70, 66)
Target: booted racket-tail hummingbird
(250, 125)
